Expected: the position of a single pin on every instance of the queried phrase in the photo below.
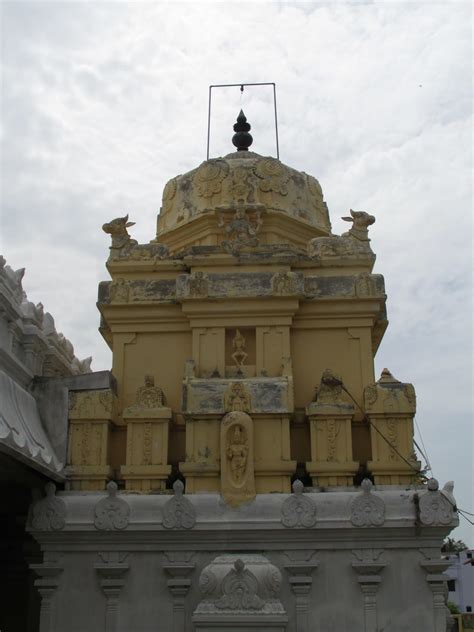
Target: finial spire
(242, 139)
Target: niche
(240, 352)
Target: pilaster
(301, 581)
(437, 582)
(111, 573)
(368, 575)
(48, 572)
(178, 585)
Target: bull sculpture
(124, 246)
(354, 241)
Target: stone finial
(49, 512)
(367, 509)
(298, 510)
(242, 139)
(111, 513)
(437, 507)
(179, 512)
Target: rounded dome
(243, 179)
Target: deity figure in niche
(237, 398)
(237, 451)
(240, 230)
(238, 344)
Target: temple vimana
(241, 466)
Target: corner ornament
(111, 513)
(178, 512)
(49, 513)
(298, 510)
(437, 507)
(367, 510)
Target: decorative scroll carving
(436, 507)
(367, 510)
(237, 398)
(178, 512)
(148, 396)
(273, 176)
(330, 389)
(239, 355)
(49, 513)
(111, 512)
(240, 231)
(209, 177)
(355, 242)
(298, 510)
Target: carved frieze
(367, 509)
(179, 512)
(273, 176)
(49, 513)
(209, 176)
(111, 512)
(298, 510)
(436, 508)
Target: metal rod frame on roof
(241, 86)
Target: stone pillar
(437, 582)
(368, 576)
(301, 581)
(47, 584)
(390, 407)
(179, 585)
(91, 416)
(330, 418)
(111, 572)
(148, 423)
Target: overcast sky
(103, 102)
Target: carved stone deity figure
(236, 398)
(237, 452)
(148, 396)
(240, 231)
(238, 344)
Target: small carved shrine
(246, 417)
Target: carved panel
(298, 510)
(367, 509)
(179, 512)
(111, 512)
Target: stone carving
(119, 291)
(330, 389)
(121, 240)
(273, 176)
(240, 231)
(355, 241)
(97, 404)
(49, 513)
(33, 313)
(148, 396)
(237, 473)
(243, 185)
(367, 510)
(286, 283)
(238, 344)
(332, 430)
(178, 512)
(436, 507)
(209, 177)
(237, 451)
(240, 584)
(365, 285)
(389, 395)
(298, 510)
(111, 512)
(237, 398)
(198, 285)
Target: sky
(103, 102)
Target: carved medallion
(367, 510)
(49, 513)
(111, 512)
(239, 589)
(273, 176)
(435, 508)
(298, 510)
(179, 512)
(209, 177)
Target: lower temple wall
(152, 563)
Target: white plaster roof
(21, 431)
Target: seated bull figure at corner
(354, 241)
(121, 240)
